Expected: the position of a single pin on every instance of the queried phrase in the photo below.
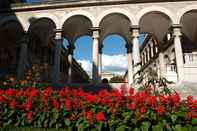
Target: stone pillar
(148, 54)
(57, 57)
(100, 61)
(130, 64)
(71, 48)
(178, 52)
(142, 58)
(161, 64)
(136, 51)
(152, 50)
(145, 58)
(95, 52)
(23, 60)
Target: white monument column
(57, 57)
(22, 63)
(136, 51)
(95, 52)
(130, 64)
(178, 51)
(71, 48)
(100, 60)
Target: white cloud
(86, 65)
(116, 64)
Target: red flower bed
(109, 110)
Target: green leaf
(11, 113)
(194, 128)
(122, 128)
(158, 127)
(136, 129)
(174, 118)
(194, 121)
(181, 113)
(145, 126)
(180, 128)
(83, 126)
(67, 122)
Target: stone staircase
(186, 88)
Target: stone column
(57, 57)
(100, 61)
(148, 54)
(136, 51)
(161, 64)
(152, 50)
(178, 52)
(142, 58)
(95, 52)
(23, 60)
(145, 58)
(71, 48)
(130, 64)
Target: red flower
(132, 106)
(143, 110)
(91, 98)
(33, 93)
(190, 99)
(9, 92)
(28, 105)
(13, 104)
(30, 116)
(89, 115)
(100, 116)
(131, 91)
(19, 93)
(68, 104)
(152, 101)
(56, 104)
(161, 110)
(62, 93)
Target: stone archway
(11, 33)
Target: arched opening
(74, 29)
(11, 33)
(156, 32)
(114, 58)
(115, 36)
(41, 47)
(189, 37)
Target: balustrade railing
(190, 58)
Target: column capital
(70, 47)
(177, 30)
(135, 30)
(134, 27)
(58, 34)
(176, 26)
(95, 32)
(100, 48)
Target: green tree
(116, 79)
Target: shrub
(118, 110)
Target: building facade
(163, 21)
